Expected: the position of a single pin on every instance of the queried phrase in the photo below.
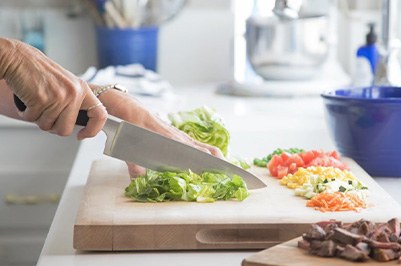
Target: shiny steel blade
(143, 147)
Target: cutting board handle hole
(238, 236)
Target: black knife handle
(82, 119)
(20, 105)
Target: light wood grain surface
(107, 220)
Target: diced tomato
(292, 167)
(286, 163)
(295, 159)
(307, 156)
(282, 171)
(275, 161)
(335, 154)
(285, 156)
(328, 161)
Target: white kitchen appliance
(247, 82)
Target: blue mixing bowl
(365, 124)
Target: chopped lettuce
(238, 162)
(186, 186)
(204, 125)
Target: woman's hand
(126, 107)
(53, 95)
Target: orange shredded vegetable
(337, 201)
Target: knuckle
(64, 132)
(60, 96)
(135, 170)
(56, 101)
(103, 116)
(80, 86)
(29, 117)
(91, 134)
(205, 150)
(214, 150)
(82, 83)
(73, 92)
(42, 100)
(44, 126)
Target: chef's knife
(132, 143)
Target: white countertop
(257, 126)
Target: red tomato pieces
(286, 163)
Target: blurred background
(199, 42)
(204, 30)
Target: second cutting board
(107, 220)
(288, 254)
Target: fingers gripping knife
(134, 144)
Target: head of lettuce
(204, 125)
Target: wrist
(7, 55)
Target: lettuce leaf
(204, 125)
(186, 186)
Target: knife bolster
(111, 128)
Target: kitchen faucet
(388, 72)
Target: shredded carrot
(337, 201)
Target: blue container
(371, 53)
(365, 124)
(369, 50)
(127, 46)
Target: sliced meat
(354, 230)
(394, 225)
(330, 225)
(363, 229)
(339, 249)
(383, 245)
(364, 247)
(383, 237)
(358, 241)
(353, 254)
(304, 244)
(384, 255)
(383, 228)
(325, 248)
(315, 233)
(393, 238)
(343, 236)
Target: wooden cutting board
(107, 220)
(288, 254)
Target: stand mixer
(388, 72)
(295, 45)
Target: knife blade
(131, 143)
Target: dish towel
(137, 79)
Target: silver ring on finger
(94, 106)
